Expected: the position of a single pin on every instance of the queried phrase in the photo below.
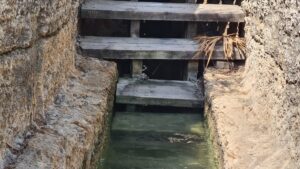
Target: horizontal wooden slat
(145, 48)
(159, 93)
(161, 11)
(178, 122)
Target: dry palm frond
(240, 44)
(230, 42)
(228, 47)
(207, 46)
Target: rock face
(270, 91)
(272, 70)
(76, 122)
(29, 80)
(37, 61)
(25, 22)
(241, 138)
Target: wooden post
(136, 65)
(192, 66)
(135, 29)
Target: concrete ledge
(240, 138)
(75, 126)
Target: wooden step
(188, 122)
(159, 93)
(146, 48)
(161, 11)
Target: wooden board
(159, 93)
(145, 48)
(161, 11)
(178, 122)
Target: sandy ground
(241, 139)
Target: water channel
(157, 140)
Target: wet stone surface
(158, 141)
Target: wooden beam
(135, 29)
(136, 65)
(191, 72)
(146, 48)
(159, 93)
(161, 11)
(136, 68)
(192, 66)
(153, 122)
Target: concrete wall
(272, 75)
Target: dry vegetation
(231, 42)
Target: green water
(158, 141)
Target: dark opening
(164, 69)
(218, 28)
(164, 109)
(162, 29)
(238, 2)
(124, 67)
(170, 1)
(105, 27)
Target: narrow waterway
(156, 140)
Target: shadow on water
(167, 139)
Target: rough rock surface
(259, 124)
(29, 79)
(24, 22)
(37, 58)
(74, 132)
(272, 77)
(241, 137)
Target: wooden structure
(137, 91)
(159, 93)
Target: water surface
(158, 141)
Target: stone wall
(37, 59)
(76, 123)
(242, 137)
(254, 113)
(37, 49)
(272, 69)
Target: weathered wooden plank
(177, 122)
(146, 48)
(159, 93)
(161, 11)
